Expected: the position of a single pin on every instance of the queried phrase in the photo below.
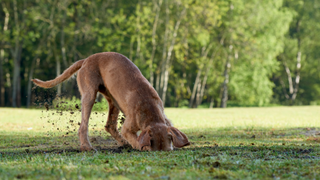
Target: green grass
(232, 143)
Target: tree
(299, 51)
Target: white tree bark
(293, 85)
(168, 60)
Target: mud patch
(311, 132)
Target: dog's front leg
(112, 122)
(87, 102)
(129, 134)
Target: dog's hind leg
(112, 122)
(87, 101)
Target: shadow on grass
(38, 144)
(265, 153)
(246, 151)
(256, 146)
(43, 145)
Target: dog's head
(161, 137)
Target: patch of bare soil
(311, 132)
(308, 131)
(259, 152)
(98, 140)
(60, 150)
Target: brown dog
(126, 89)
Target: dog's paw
(123, 143)
(87, 148)
(146, 148)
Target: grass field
(232, 143)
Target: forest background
(207, 53)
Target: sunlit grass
(273, 117)
(233, 143)
(189, 119)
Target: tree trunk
(289, 78)
(298, 66)
(8, 90)
(293, 86)
(75, 38)
(297, 80)
(138, 31)
(29, 80)
(157, 7)
(191, 103)
(284, 89)
(224, 97)
(63, 49)
(195, 105)
(158, 81)
(2, 89)
(211, 102)
(204, 53)
(164, 52)
(204, 82)
(201, 90)
(16, 86)
(16, 59)
(167, 63)
(58, 70)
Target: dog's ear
(144, 139)
(179, 139)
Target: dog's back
(124, 83)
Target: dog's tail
(64, 76)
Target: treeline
(209, 53)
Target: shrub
(74, 104)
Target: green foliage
(74, 104)
(251, 85)
(190, 40)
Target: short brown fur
(126, 89)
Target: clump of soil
(67, 124)
(46, 105)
